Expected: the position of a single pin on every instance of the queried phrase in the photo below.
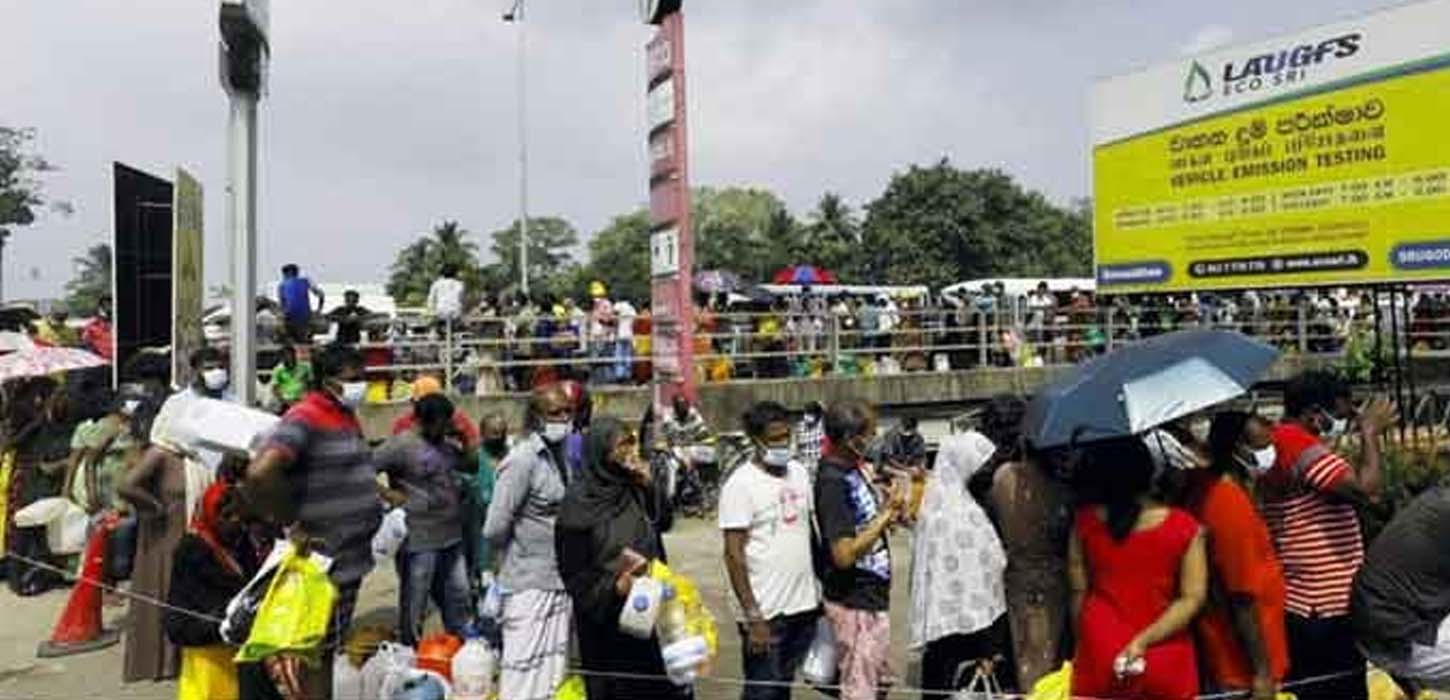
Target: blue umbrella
(1146, 385)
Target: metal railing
(737, 346)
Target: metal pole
(448, 354)
(1303, 326)
(983, 354)
(242, 223)
(1409, 365)
(523, 153)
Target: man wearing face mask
(428, 385)
(765, 512)
(1309, 498)
(422, 466)
(854, 520)
(210, 380)
(537, 611)
(316, 476)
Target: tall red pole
(672, 250)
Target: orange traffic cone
(79, 629)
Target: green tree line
(933, 225)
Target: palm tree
(834, 235)
(92, 278)
(448, 246)
(423, 260)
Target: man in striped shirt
(1309, 498)
(315, 475)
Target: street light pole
(516, 16)
(242, 223)
(243, 69)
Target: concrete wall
(723, 404)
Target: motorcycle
(699, 470)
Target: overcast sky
(385, 118)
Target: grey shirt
(520, 521)
(426, 474)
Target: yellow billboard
(1263, 177)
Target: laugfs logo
(1269, 70)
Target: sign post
(671, 240)
(243, 70)
(187, 260)
(1314, 159)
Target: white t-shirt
(445, 298)
(777, 513)
(624, 314)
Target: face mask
(1199, 430)
(1264, 460)
(1337, 427)
(215, 379)
(555, 431)
(353, 393)
(776, 457)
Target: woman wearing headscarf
(608, 531)
(958, 603)
(213, 562)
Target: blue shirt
(294, 294)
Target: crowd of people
(1220, 552)
(1217, 554)
(514, 342)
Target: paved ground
(694, 549)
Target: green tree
(619, 256)
(833, 237)
(423, 260)
(938, 225)
(745, 230)
(20, 188)
(92, 279)
(552, 268)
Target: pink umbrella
(43, 361)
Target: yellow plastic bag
(571, 689)
(1382, 687)
(699, 619)
(207, 673)
(1054, 686)
(294, 616)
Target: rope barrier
(727, 681)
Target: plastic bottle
(679, 650)
(672, 623)
(473, 668)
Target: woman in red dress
(1139, 575)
